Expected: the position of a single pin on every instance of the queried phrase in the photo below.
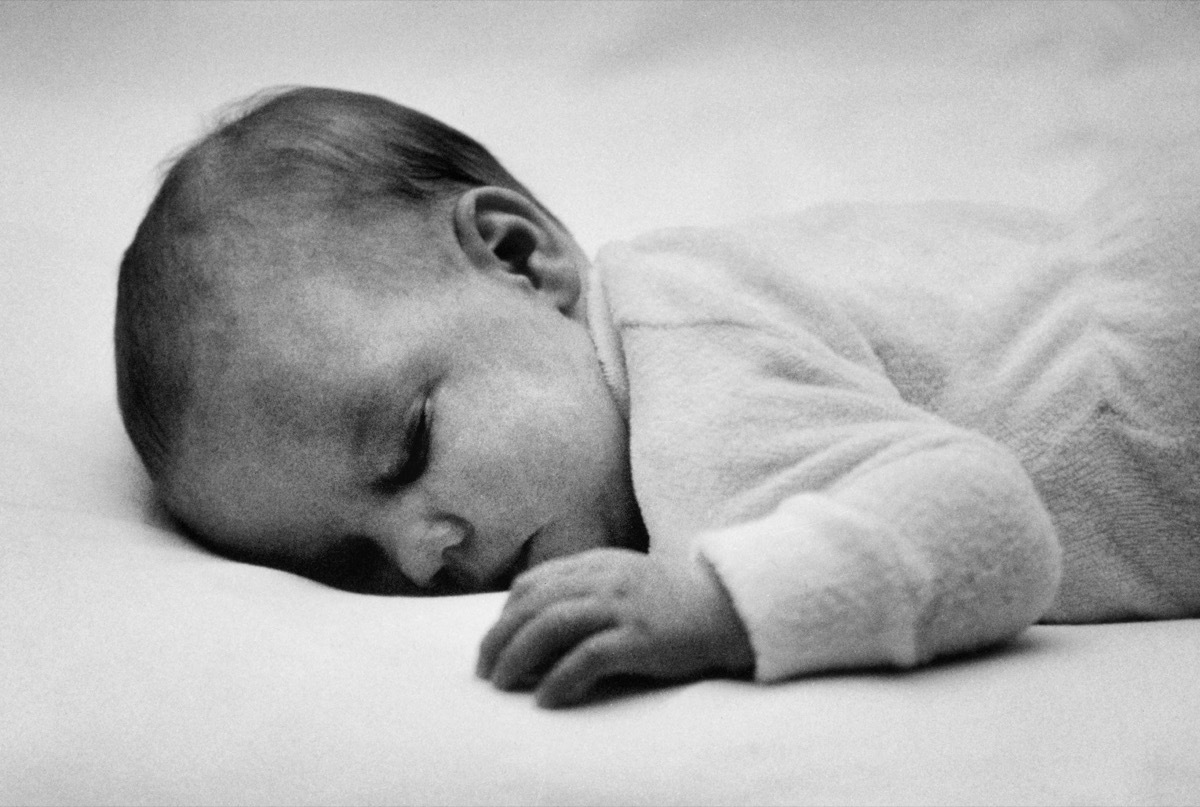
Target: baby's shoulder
(709, 275)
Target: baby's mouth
(519, 563)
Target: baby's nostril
(445, 535)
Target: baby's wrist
(729, 644)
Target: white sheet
(137, 669)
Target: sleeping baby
(350, 344)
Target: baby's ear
(506, 235)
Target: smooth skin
(427, 385)
(572, 622)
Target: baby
(350, 344)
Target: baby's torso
(1075, 347)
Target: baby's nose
(420, 552)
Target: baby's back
(1074, 343)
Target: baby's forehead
(312, 345)
(277, 239)
(306, 338)
(276, 411)
(311, 306)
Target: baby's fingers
(580, 670)
(533, 593)
(496, 639)
(540, 641)
(514, 617)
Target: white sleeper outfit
(892, 430)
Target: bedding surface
(137, 668)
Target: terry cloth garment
(890, 429)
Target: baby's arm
(939, 548)
(895, 538)
(575, 620)
(938, 544)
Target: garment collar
(606, 341)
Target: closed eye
(414, 458)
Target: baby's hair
(283, 156)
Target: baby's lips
(520, 561)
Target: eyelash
(418, 455)
(418, 448)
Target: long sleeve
(939, 548)
(850, 527)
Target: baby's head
(350, 344)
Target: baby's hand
(572, 621)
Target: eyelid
(411, 462)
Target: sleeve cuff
(819, 587)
